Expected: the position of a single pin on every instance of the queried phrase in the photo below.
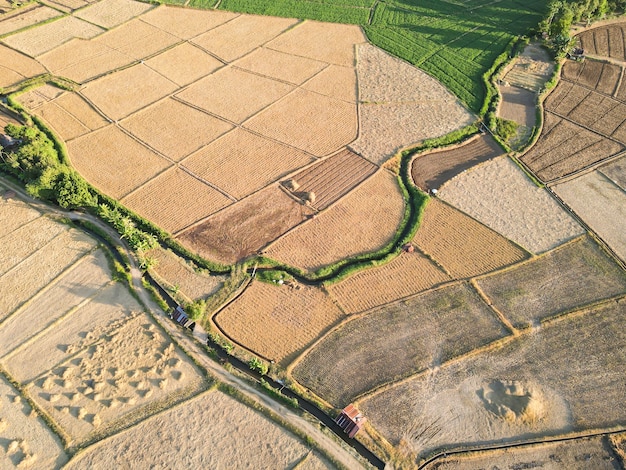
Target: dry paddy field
(601, 204)
(278, 322)
(26, 17)
(578, 454)
(431, 170)
(501, 196)
(604, 41)
(376, 207)
(210, 431)
(15, 67)
(561, 377)
(576, 274)
(396, 341)
(462, 246)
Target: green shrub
(258, 365)
(506, 129)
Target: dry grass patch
(25, 279)
(324, 125)
(396, 341)
(241, 162)
(232, 436)
(332, 178)
(431, 170)
(375, 208)
(174, 272)
(128, 90)
(184, 64)
(243, 34)
(246, 226)
(576, 274)
(463, 246)
(616, 172)
(561, 378)
(601, 204)
(15, 67)
(234, 94)
(185, 23)
(326, 42)
(38, 40)
(335, 82)
(501, 196)
(27, 439)
(408, 274)
(29, 17)
(589, 452)
(137, 39)
(173, 128)
(277, 322)
(114, 162)
(82, 61)
(110, 13)
(280, 66)
(81, 281)
(175, 199)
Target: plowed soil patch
(245, 227)
(431, 170)
(188, 200)
(330, 179)
(464, 247)
(278, 321)
(598, 76)
(241, 162)
(376, 208)
(397, 341)
(605, 41)
(110, 13)
(569, 277)
(408, 274)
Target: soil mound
(512, 401)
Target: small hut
(350, 420)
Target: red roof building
(350, 420)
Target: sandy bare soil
(552, 380)
(209, 431)
(501, 196)
(601, 204)
(579, 454)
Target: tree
(72, 191)
(33, 155)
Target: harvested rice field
(26, 18)
(36, 97)
(110, 13)
(114, 162)
(245, 227)
(184, 64)
(602, 77)
(396, 341)
(462, 246)
(574, 275)
(15, 67)
(232, 436)
(586, 452)
(241, 163)
(604, 41)
(408, 274)
(185, 23)
(431, 170)
(71, 116)
(278, 322)
(551, 380)
(174, 273)
(601, 204)
(330, 179)
(501, 196)
(14, 214)
(335, 82)
(376, 207)
(27, 441)
(280, 66)
(180, 186)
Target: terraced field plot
(15, 67)
(501, 196)
(278, 322)
(433, 169)
(604, 41)
(559, 378)
(396, 341)
(26, 17)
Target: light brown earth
(27, 17)
(186, 23)
(601, 204)
(518, 105)
(184, 64)
(500, 195)
(551, 380)
(375, 208)
(15, 67)
(396, 341)
(278, 321)
(462, 246)
(110, 13)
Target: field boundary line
(571, 121)
(485, 298)
(618, 85)
(580, 310)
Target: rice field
(28, 17)
(335, 82)
(111, 13)
(185, 23)
(278, 322)
(15, 67)
(280, 66)
(396, 341)
(184, 64)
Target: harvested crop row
(463, 246)
(277, 322)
